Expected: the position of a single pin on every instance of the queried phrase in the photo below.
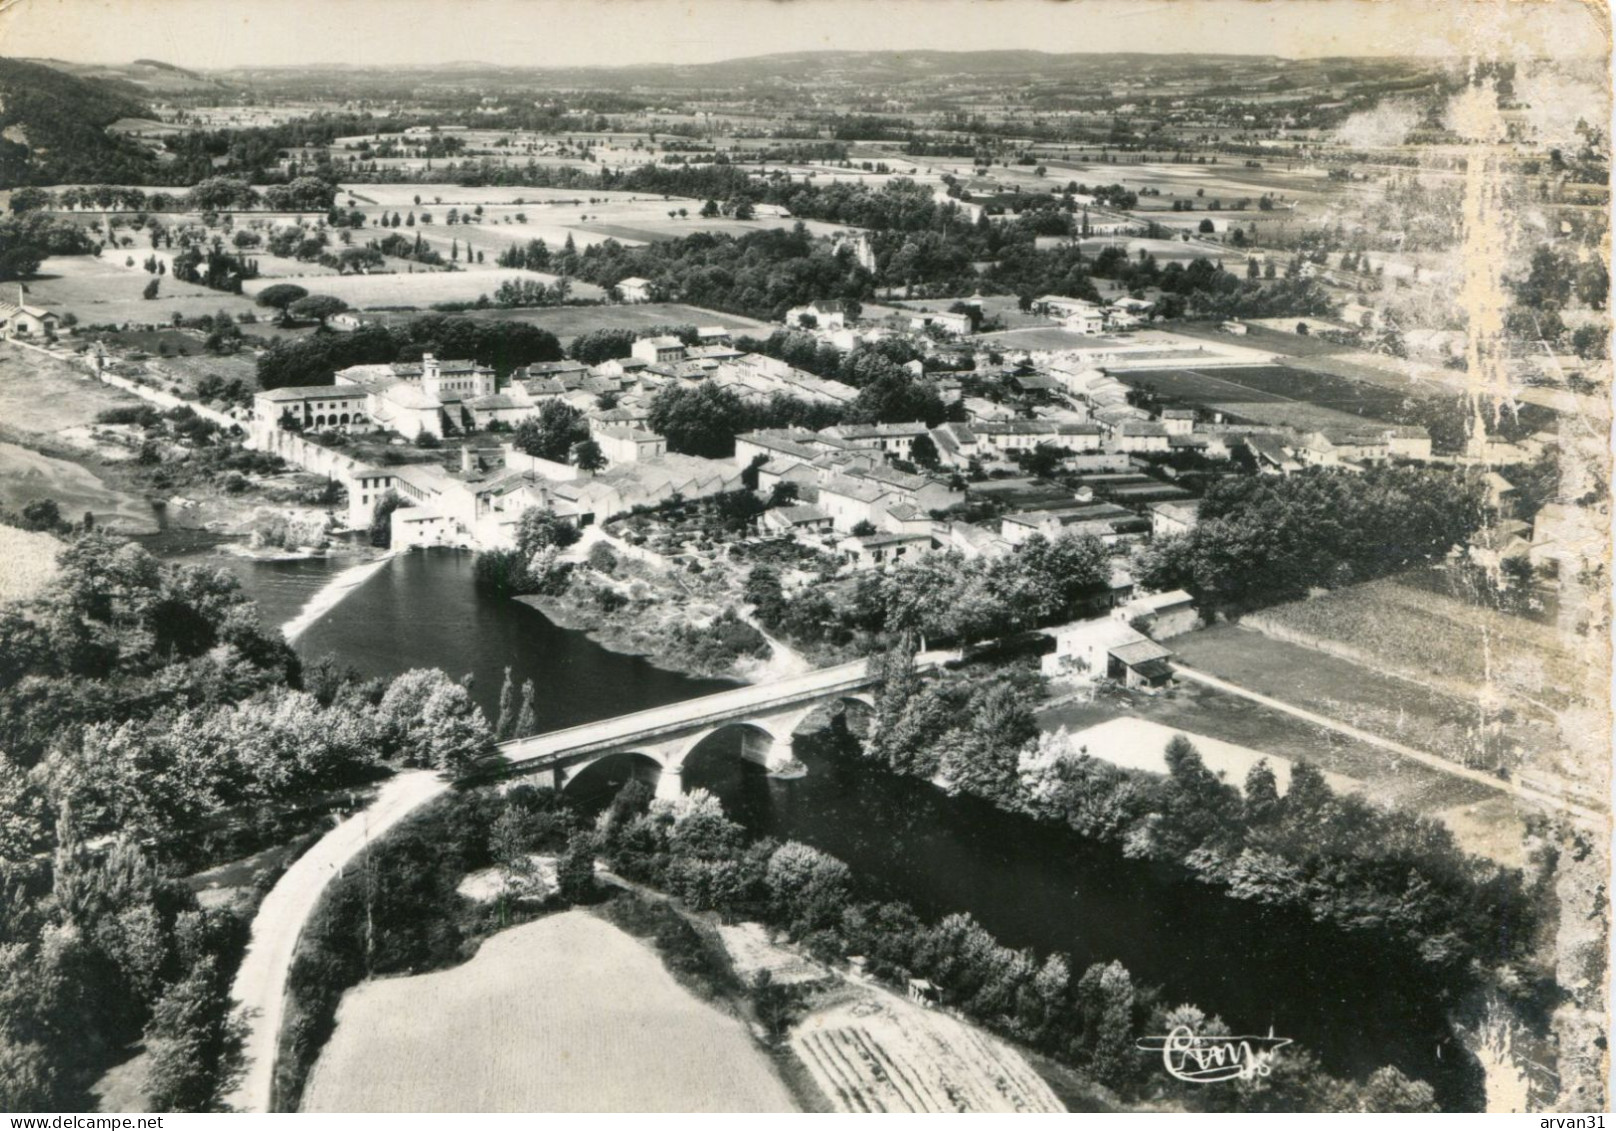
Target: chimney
(468, 462)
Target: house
(1232, 327)
(313, 407)
(348, 321)
(1500, 492)
(755, 376)
(22, 319)
(1169, 518)
(623, 444)
(1141, 663)
(1105, 648)
(891, 439)
(1140, 436)
(1408, 441)
(1087, 321)
(949, 321)
(791, 520)
(1165, 615)
(1060, 306)
(824, 314)
(418, 398)
(878, 551)
(850, 501)
(635, 289)
(659, 350)
(922, 992)
(1571, 536)
(1178, 421)
(1106, 521)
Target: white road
(260, 985)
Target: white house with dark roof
(635, 289)
(22, 319)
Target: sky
(226, 33)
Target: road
(260, 985)
(1526, 793)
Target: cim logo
(1209, 1060)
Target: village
(896, 572)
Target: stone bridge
(764, 715)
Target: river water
(1029, 885)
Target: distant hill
(856, 68)
(53, 128)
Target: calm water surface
(1030, 885)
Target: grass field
(1470, 732)
(27, 476)
(1472, 651)
(420, 289)
(1273, 394)
(30, 562)
(564, 1014)
(105, 291)
(567, 322)
(1228, 718)
(43, 395)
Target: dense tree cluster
(945, 597)
(315, 360)
(64, 120)
(531, 566)
(142, 707)
(1262, 540)
(27, 239)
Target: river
(1029, 885)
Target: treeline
(944, 597)
(689, 848)
(147, 722)
(1388, 873)
(314, 360)
(1262, 540)
(64, 119)
(27, 240)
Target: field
(1228, 718)
(1140, 744)
(567, 322)
(30, 559)
(1470, 650)
(563, 1014)
(420, 289)
(877, 1052)
(26, 476)
(1274, 394)
(44, 395)
(104, 291)
(1470, 732)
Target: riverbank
(133, 479)
(661, 632)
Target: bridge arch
(608, 773)
(759, 742)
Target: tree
(505, 727)
(587, 456)
(924, 452)
(527, 719)
(317, 308)
(281, 296)
(1206, 227)
(552, 433)
(575, 871)
(703, 421)
(150, 290)
(194, 1043)
(381, 521)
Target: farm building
(21, 320)
(635, 289)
